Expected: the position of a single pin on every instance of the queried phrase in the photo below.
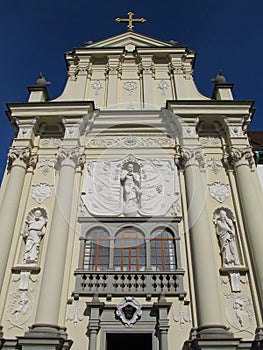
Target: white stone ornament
(20, 308)
(41, 192)
(239, 312)
(163, 86)
(129, 310)
(36, 227)
(96, 85)
(219, 191)
(182, 313)
(130, 86)
(46, 165)
(215, 165)
(226, 232)
(130, 186)
(75, 316)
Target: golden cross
(130, 20)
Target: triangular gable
(130, 38)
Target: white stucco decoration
(129, 310)
(36, 222)
(219, 191)
(225, 229)
(130, 186)
(20, 308)
(41, 191)
(239, 312)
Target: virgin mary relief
(130, 186)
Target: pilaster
(94, 309)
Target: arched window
(129, 250)
(163, 256)
(96, 250)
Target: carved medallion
(129, 310)
(219, 191)
(41, 192)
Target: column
(53, 272)
(18, 161)
(251, 205)
(209, 313)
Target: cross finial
(130, 26)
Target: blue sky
(34, 35)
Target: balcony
(139, 283)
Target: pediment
(130, 38)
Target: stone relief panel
(50, 142)
(226, 232)
(239, 312)
(215, 165)
(74, 314)
(182, 313)
(210, 141)
(36, 222)
(130, 186)
(163, 85)
(129, 142)
(20, 308)
(219, 191)
(46, 165)
(41, 192)
(97, 86)
(130, 86)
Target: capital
(18, 157)
(239, 156)
(67, 156)
(192, 157)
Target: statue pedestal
(46, 337)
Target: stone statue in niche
(225, 230)
(130, 180)
(36, 225)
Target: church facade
(131, 208)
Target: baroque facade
(131, 208)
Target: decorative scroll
(130, 186)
